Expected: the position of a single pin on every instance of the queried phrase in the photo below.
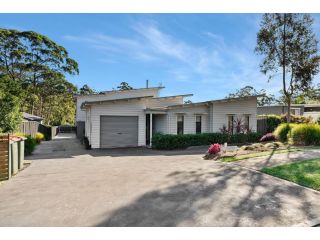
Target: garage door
(118, 131)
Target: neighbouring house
(307, 110)
(131, 117)
(29, 117)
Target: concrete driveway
(68, 186)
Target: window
(198, 124)
(247, 122)
(180, 124)
(230, 123)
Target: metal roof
(31, 117)
(87, 103)
(116, 91)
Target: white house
(130, 117)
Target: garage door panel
(118, 131)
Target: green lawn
(305, 173)
(258, 154)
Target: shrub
(282, 131)
(318, 120)
(39, 137)
(29, 145)
(273, 121)
(214, 148)
(268, 137)
(306, 134)
(169, 141)
(296, 119)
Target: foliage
(10, 114)
(318, 120)
(187, 102)
(305, 134)
(268, 137)
(296, 118)
(239, 125)
(251, 91)
(282, 131)
(305, 173)
(288, 44)
(86, 90)
(39, 137)
(124, 86)
(29, 145)
(168, 141)
(272, 122)
(224, 129)
(214, 148)
(37, 65)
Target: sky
(208, 55)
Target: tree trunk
(288, 110)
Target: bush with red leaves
(268, 137)
(214, 148)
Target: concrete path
(278, 159)
(142, 187)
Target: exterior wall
(189, 113)
(80, 114)
(160, 123)
(163, 102)
(131, 108)
(220, 112)
(277, 110)
(314, 115)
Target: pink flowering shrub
(214, 148)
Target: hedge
(29, 145)
(283, 130)
(305, 134)
(169, 141)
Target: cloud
(223, 66)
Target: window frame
(198, 122)
(180, 129)
(231, 128)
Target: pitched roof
(117, 91)
(87, 103)
(31, 117)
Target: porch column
(150, 129)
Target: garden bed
(251, 151)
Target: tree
(37, 66)
(263, 100)
(10, 115)
(124, 86)
(30, 58)
(187, 102)
(86, 90)
(289, 46)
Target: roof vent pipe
(147, 83)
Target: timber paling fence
(11, 156)
(262, 125)
(29, 128)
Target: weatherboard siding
(131, 108)
(81, 115)
(240, 108)
(189, 113)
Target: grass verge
(259, 154)
(305, 173)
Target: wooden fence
(4, 158)
(29, 128)
(262, 125)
